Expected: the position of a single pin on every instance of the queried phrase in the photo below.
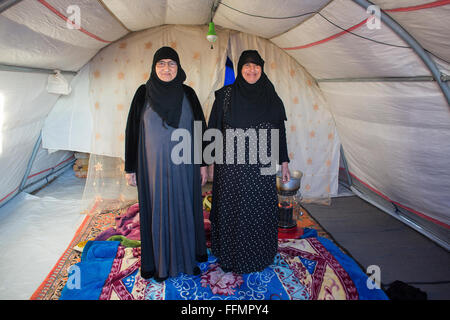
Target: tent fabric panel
(147, 14)
(20, 46)
(426, 25)
(21, 118)
(312, 43)
(34, 36)
(412, 101)
(313, 143)
(188, 12)
(47, 18)
(141, 15)
(69, 124)
(411, 132)
(266, 28)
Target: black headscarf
(254, 103)
(166, 98)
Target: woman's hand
(211, 172)
(131, 179)
(204, 174)
(285, 174)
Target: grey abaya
(166, 191)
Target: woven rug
(312, 268)
(100, 220)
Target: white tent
(366, 94)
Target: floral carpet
(308, 268)
(304, 269)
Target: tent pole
(442, 242)
(6, 67)
(6, 4)
(411, 41)
(214, 8)
(27, 171)
(349, 178)
(53, 172)
(31, 161)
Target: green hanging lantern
(211, 36)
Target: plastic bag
(57, 84)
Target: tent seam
(63, 17)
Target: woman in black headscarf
(244, 214)
(170, 203)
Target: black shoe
(147, 275)
(158, 279)
(202, 258)
(197, 271)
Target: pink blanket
(127, 225)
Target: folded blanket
(87, 278)
(127, 225)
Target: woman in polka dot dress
(244, 214)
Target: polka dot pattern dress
(244, 213)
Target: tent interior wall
(364, 103)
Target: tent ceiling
(426, 24)
(42, 17)
(339, 54)
(228, 15)
(146, 14)
(34, 32)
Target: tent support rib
(52, 172)
(418, 49)
(349, 178)
(442, 242)
(31, 161)
(6, 4)
(5, 67)
(214, 8)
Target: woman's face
(251, 72)
(166, 69)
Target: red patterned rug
(100, 220)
